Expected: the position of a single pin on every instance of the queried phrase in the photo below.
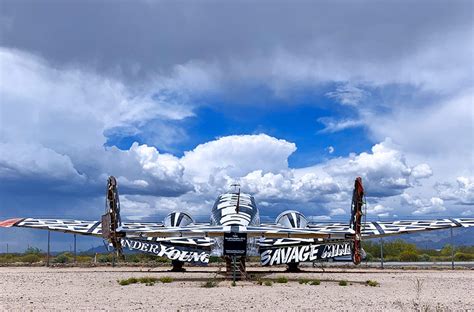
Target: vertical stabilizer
(356, 219)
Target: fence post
(75, 249)
(452, 249)
(381, 252)
(47, 256)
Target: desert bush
(315, 282)
(166, 279)
(461, 256)
(268, 283)
(424, 257)
(33, 250)
(83, 259)
(30, 258)
(343, 283)
(304, 281)
(162, 260)
(215, 259)
(372, 283)
(146, 280)
(409, 256)
(104, 258)
(210, 283)
(282, 279)
(62, 258)
(369, 257)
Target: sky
(290, 99)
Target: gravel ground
(40, 288)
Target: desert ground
(41, 288)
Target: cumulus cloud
(35, 161)
(379, 210)
(423, 206)
(384, 170)
(236, 156)
(337, 212)
(462, 192)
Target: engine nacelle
(177, 219)
(292, 219)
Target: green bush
(31, 258)
(166, 279)
(132, 258)
(146, 280)
(408, 256)
(343, 283)
(372, 283)
(424, 257)
(104, 258)
(461, 256)
(282, 279)
(209, 284)
(162, 260)
(215, 259)
(268, 283)
(33, 250)
(369, 257)
(83, 259)
(62, 258)
(304, 281)
(315, 282)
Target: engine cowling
(177, 219)
(292, 219)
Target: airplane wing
(81, 227)
(153, 229)
(388, 228)
(252, 231)
(315, 230)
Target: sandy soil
(43, 288)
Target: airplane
(235, 232)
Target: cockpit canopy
(177, 219)
(292, 219)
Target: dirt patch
(40, 288)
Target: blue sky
(180, 100)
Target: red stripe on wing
(10, 222)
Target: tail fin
(111, 219)
(356, 219)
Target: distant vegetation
(397, 250)
(148, 281)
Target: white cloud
(36, 161)
(337, 212)
(318, 218)
(331, 125)
(421, 171)
(462, 192)
(423, 206)
(385, 170)
(348, 94)
(236, 156)
(330, 149)
(379, 210)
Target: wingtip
(10, 222)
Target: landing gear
(177, 266)
(292, 268)
(235, 268)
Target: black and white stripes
(226, 212)
(292, 219)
